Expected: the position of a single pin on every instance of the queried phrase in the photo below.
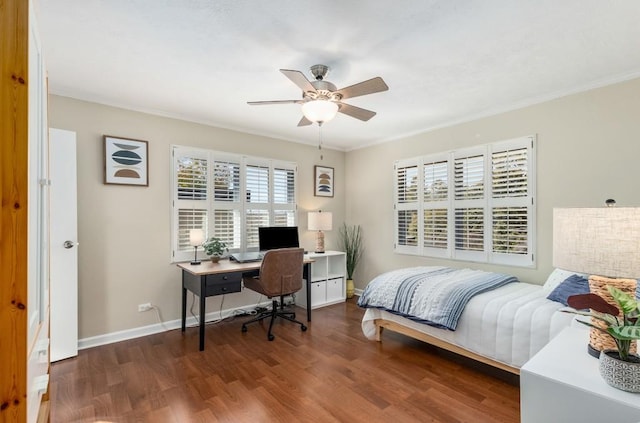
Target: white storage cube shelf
(328, 280)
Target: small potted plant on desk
(215, 248)
(619, 368)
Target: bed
(502, 326)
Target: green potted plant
(351, 243)
(621, 368)
(215, 248)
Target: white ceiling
(444, 61)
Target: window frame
(239, 202)
(489, 204)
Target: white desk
(562, 384)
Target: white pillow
(557, 277)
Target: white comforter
(509, 324)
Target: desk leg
(306, 275)
(203, 299)
(184, 304)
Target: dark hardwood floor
(330, 373)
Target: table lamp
(603, 243)
(320, 221)
(196, 238)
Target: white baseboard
(358, 292)
(138, 332)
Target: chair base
(272, 314)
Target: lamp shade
(597, 241)
(320, 221)
(319, 110)
(196, 237)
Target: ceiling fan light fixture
(319, 110)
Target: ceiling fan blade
(373, 85)
(304, 122)
(299, 79)
(356, 112)
(261, 103)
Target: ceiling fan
(321, 100)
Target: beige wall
(588, 150)
(124, 231)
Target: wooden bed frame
(396, 327)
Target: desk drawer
(223, 283)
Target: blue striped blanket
(433, 295)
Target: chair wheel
(271, 337)
(303, 328)
(244, 328)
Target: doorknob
(69, 244)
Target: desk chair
(280, 275)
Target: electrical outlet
(144, 307)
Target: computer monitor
(272, 237)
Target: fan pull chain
(320, 139)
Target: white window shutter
(469, 177)
(227, 204)
(436, 228)
(191, 178)
(509, 173)
(510, 230)
(407, 228)
(190, 198)
(190, 219)
(407, 184)
(436, 181)
(469, 203)
(228, 196)
(284, 186)
(255, 219)
(256, 201)
(257, 184)
(284, 218)
(407, 195)
(469, 229)
(226, 181)
(435, 216)
(512, 202)
(474, 204)
(284, 194)
(227, 226)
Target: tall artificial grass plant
(351, 242)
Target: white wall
(588, 150)
(124, 231)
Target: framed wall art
(126, 161)
(323, 181)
